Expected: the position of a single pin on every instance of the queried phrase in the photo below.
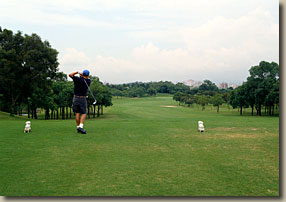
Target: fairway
(142, 147)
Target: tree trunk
(63, 113)
(252, 110)
(13, 103)
(101, 109)
(12, 108)
(57, 114)
(257, 111)
(217, 109)
(48, 113)
(240, 110)
(93, 111)
(265, 109)
(98, 107)
(70, 112)
(28, 111)
(35, 113)
(67, 112)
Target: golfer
(79, 100)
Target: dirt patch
(168, 106)
(253, 129)
(238, 135)
(234, 129)
(182, 136)
(234, 136)
(225, 128)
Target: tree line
(206, 93)
(141, 89)
(261, 90)
(30, 79)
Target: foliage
(217, 100)
(28, 66)
(29, 78)
(261, 88)
(140, 89)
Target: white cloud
(74, 60)
(123, 14)
(183, 39)
(220, 50)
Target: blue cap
(85, 73)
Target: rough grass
(139, 148)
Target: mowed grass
(140, 147)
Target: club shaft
(90, 90)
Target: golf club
(90, 93)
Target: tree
(238, 98)
(262, 80)
(179, 97)
(180, 87)
(203, 100)
(151, 91)
(28, 66)
(102, 95)
(107, 98)
(190, 99)
(250, 87)
(12, 75)
(217, 100)
(116, 92)
(225, 97)
(208, 88)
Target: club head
(94, 103)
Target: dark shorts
(79, 105)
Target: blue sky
(133, 40)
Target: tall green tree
(13, 76)
(238, 98)
(27, 65)
(263, 78)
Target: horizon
(229, 83)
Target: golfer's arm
(72, 74)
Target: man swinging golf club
(81, 84)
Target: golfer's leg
(77, 118)
(82, 119)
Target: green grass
(141, 148)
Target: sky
(123, 41)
